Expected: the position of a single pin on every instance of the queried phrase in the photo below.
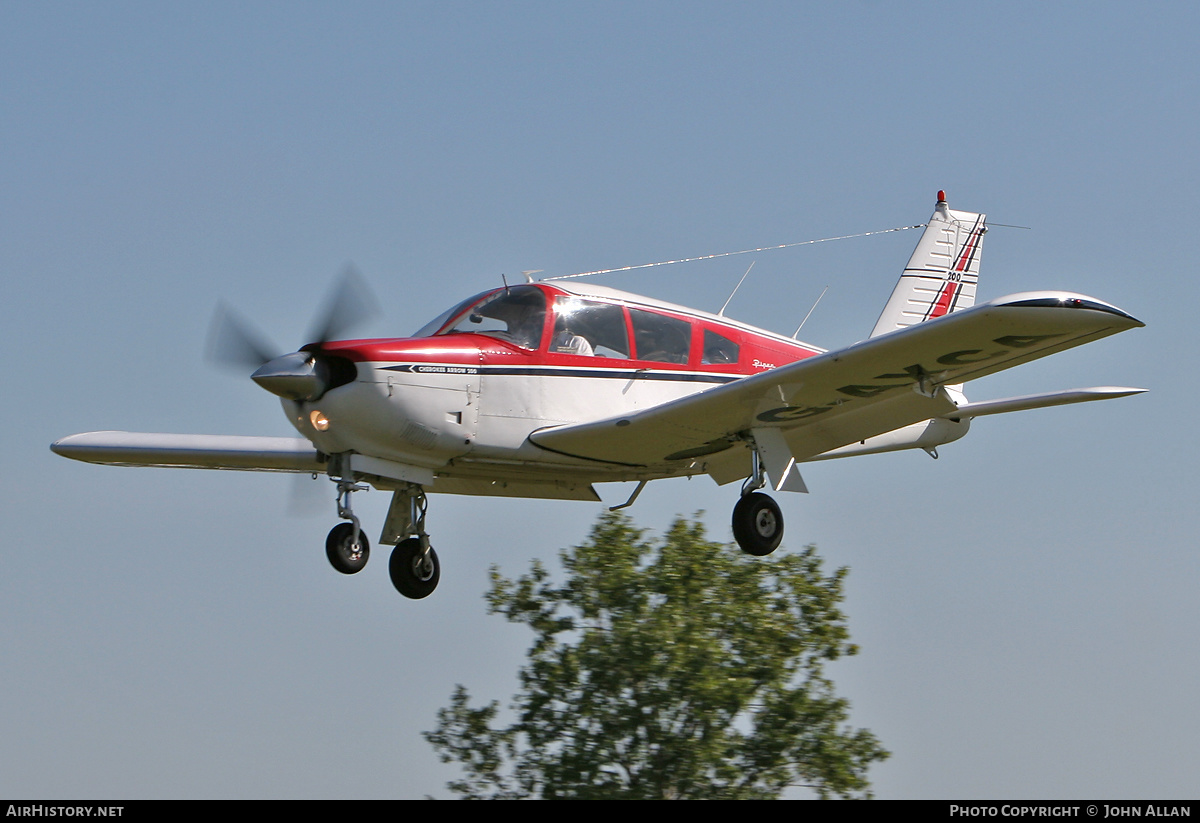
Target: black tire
(408, 576)
(340, 549)
(757, 524)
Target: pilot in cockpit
(566, 341)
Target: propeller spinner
(305, 374)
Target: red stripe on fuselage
(756, 354)
(463, 350)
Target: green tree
(679, 670)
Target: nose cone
(295, 376)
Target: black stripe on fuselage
(559, 371)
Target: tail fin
(942, 273)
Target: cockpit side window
(516, 315)
(589, 328)
(661, 338)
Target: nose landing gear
(347, 553)
(346, 546)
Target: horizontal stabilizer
(1039, 401)
(192, 451)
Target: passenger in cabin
(718, 350)
(589, 328)
(569, 325)
(526, 329)
(567, 341)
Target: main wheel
(413, 576)
(757, 524)
(342, 553)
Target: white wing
(841, 397)
(195, 451)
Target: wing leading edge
(840, 397)
(193, 451)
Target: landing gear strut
(757, 520)
(346, 546)
(414, 566)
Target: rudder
(943, 272)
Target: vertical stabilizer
(942, 273)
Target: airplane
(546, 388)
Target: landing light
(318, 419)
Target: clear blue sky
(1026, 605)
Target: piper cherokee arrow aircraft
(544, 389)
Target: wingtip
(67, 446)
(63, 448)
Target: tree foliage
(678, 670)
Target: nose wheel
(346, 546)
(347, 552)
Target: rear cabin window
(661, 338)
(589, 328)
(718, 350)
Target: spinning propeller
(234, 343)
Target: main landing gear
(757, 520)
(414, 566)
(757, 524)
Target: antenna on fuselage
(721, 313)
(810, 311)
(530, 273)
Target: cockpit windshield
(516, 315)
(433, 326)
